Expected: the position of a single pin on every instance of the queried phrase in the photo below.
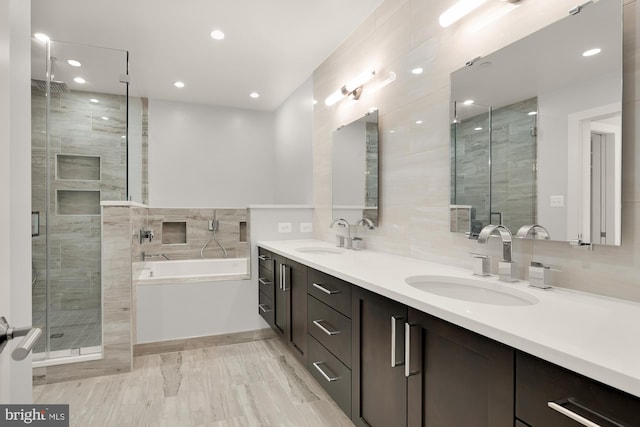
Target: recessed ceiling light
(532, 113)
(42, 37)
(74, 63)
(468, 102)
(217, 35)
(478, 128)
(417, 70)
(254, 95)
(418, 122)
(79, 80)
(105, 118)
(592, 52)
(179, 84)
(95, 101)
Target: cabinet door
(280, 297)
(379, 385)
(457, 377)
(295, 284)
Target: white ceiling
(271, 46)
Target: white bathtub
(193, 270)
(180, 299)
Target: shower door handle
(31, 336)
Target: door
(457, 377)
(378, 382)
(15, 181)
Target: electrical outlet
(557, 201)
(284, 227)
(306, 227)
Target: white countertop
(593, 335)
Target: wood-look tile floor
(250, 384)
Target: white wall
(293, 143)
(15, 190)
(209, 156)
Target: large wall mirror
(355, 170)
(536, 131)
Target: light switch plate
(306, 227)
(284, 227)
(557, 201)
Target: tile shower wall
(513, 159)
(414, 173)
(233, 232)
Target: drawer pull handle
(407, 350)
(263, 309)
(325, 290)
(264, 258)
(558, 406)
(325, 329)
(264, 281)
(329, 378)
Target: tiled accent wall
(513, 158)
(198, 234)
(415, 167)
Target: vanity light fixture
(79, 80)
(592, 52)
(74, 63)
(458, 11)
(179, 84)
(392, 77)
(352, 88)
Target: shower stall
(81, 146)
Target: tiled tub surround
(586, 333)
(414, 169)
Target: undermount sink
(320, 250)
(466, 289)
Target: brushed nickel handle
(407, 350)
(284, 277)
(263, 281)
(323, 373)
(557, 406)
(325, 290)
(264, 258)
(281, 278)
(394, 338)
(263, 309)
(324, 329)
(27, 343)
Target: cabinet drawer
(265, 280)
(330, 328)
(265, 259)
(331, 374)
(265, 308)
(539, 382)
(331, 291)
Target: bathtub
(191, 270)
(181, 299)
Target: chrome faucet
(366, 222)
(506, 268)
(538, 231)
(340, 240)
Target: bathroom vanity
(392, 347)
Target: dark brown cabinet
(266, 294)
(550, 396)
(379, 384)
(456, 377)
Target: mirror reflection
(355, 170)
(536, 132)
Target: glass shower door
(79, 158)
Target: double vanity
(399, 341)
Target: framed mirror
(536, 131)
(355, 170)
